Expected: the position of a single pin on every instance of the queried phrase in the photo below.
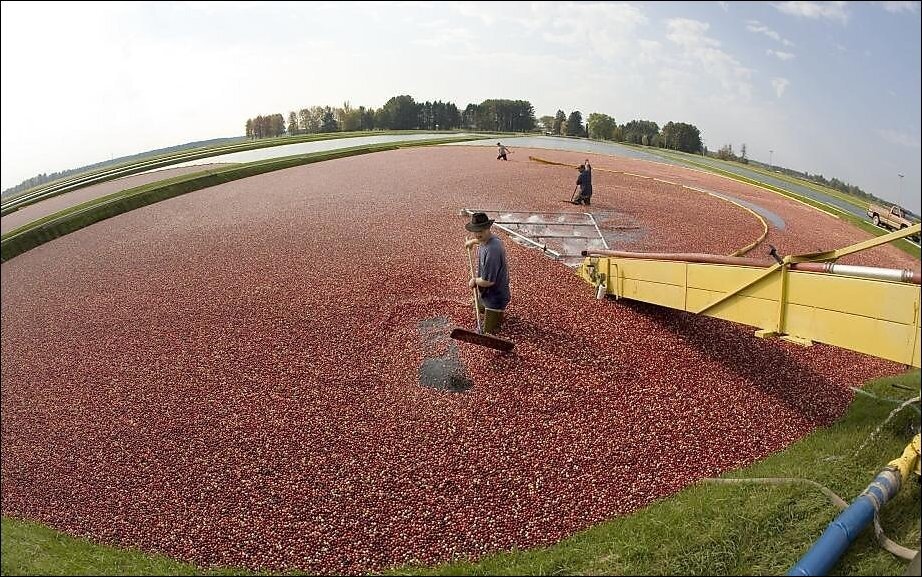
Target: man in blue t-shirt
(492, 280)
(584, 181)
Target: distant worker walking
(502, 151)
(584, 182)
(492, 280)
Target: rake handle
(470, 262)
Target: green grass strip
(60, 186)
(40, 231)
(706, 529)
(692, 160)
(73, 182)
(855, 201)
(902, 244)
(33, 549)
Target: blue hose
(837, 537)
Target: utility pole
(899, 198)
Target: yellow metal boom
(875, 316)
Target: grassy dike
(33, 549)
(40, 231)
(99, 175)
(690, 161)
(706, 529)
(843, 196)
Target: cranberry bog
(259, 374)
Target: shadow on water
(443, 372)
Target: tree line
(496, 115)
(674, 135)
(398, 113)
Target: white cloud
(625, 50)
(488, 13)
(217, 7)
(440, 33)
(759, 28)
(703, 53)
(690, 33)
(815, 10)
(897, 7)
(559, 15)
(610, 35)
(780, 84)
(899, 138)
(723, 6)
(780, 55)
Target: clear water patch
(441, 368)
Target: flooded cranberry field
(259, 374)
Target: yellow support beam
(863, 245)
(869, 315)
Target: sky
(829, 88)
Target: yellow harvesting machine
(803, 298)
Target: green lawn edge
(50, 227)
(33, 549)
(902, 244)
(706, 529)
(855, 201)
(60, 186)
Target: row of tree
(674, 135)
(725, 152)
(398, 113)
(835, 183)
(498, 115)
(562, 124)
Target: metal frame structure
(873, 314)
(529, 237)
